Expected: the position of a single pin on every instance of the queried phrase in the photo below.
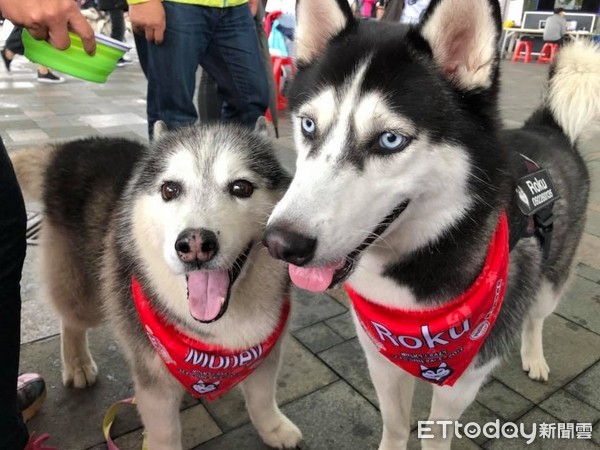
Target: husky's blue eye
(391, 142)
(308, 126)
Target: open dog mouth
(209, 290)
(318, 279)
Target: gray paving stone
(503, 401)
(334, 417)
(26, 135)
(243, 438)
(592, 223)
(348, 361)
(198, 426)
(580, 304)
(589, 248)
(586, 387)
(588, 273)
(343, 325)
(301, 373)
(39, 321)
(414, 443)
(537, 417)
(569, 408)
(70, 132)
(318, 337)
(310, 308)
(478, 413)
(111, 120)
(339, 293)
(563, 344)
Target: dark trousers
(14, 42)
(13, 221)
(117, 21)
(223, 41)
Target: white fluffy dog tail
(573, 95)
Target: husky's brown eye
(241, 189)
(170, 190)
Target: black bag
(108, 5)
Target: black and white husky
(406, 188)
(165, 244)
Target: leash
(109, 419)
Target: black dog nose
(288, 245)
(196, 244)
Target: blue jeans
(224, 42)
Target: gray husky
(165, 244)
(408, 189)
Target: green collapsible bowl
(74, 60)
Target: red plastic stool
(522, 45)
(547, 53)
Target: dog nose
(288, 245)
(196, 244)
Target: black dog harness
(536, 194)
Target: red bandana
(438, 345)
(205, 370)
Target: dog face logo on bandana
(436, 374)
(203, 388)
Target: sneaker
(38, 443)
(5, 59)
(49, 77)
(124, 62)
(31, 393)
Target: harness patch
(535, 192)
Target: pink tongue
(315, 279)
(207, 290)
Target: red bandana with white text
(204, 370)
(438, 345)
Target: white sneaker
(124, 62)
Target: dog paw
(537, 367)
(80, 375)
(284, 434)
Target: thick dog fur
(435, 87)
(105, 221)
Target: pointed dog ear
(160, 128)
(317, 22)
(463, 36)
(261, 126)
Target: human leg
(172, 65)
(13, 434)
(118, 24)
(234, 60)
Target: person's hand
(253, 7)
(50, 20)
(148, 18)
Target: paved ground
(324, 386)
